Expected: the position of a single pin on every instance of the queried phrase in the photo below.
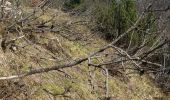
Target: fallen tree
(80, 60)
(138, 62)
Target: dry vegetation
(53, 55)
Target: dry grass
(76, 78)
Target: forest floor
(73, 38)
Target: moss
(82, 90)
(45, 17)
(55, 89)
(56, 82)
(76, 49)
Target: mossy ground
(76, 79)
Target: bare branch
(77, 61)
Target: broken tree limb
(74, 62)
(43, 70)
(146, 54)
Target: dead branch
(76, 61)
(146, 54)
(107, 84)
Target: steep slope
(73, 38)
